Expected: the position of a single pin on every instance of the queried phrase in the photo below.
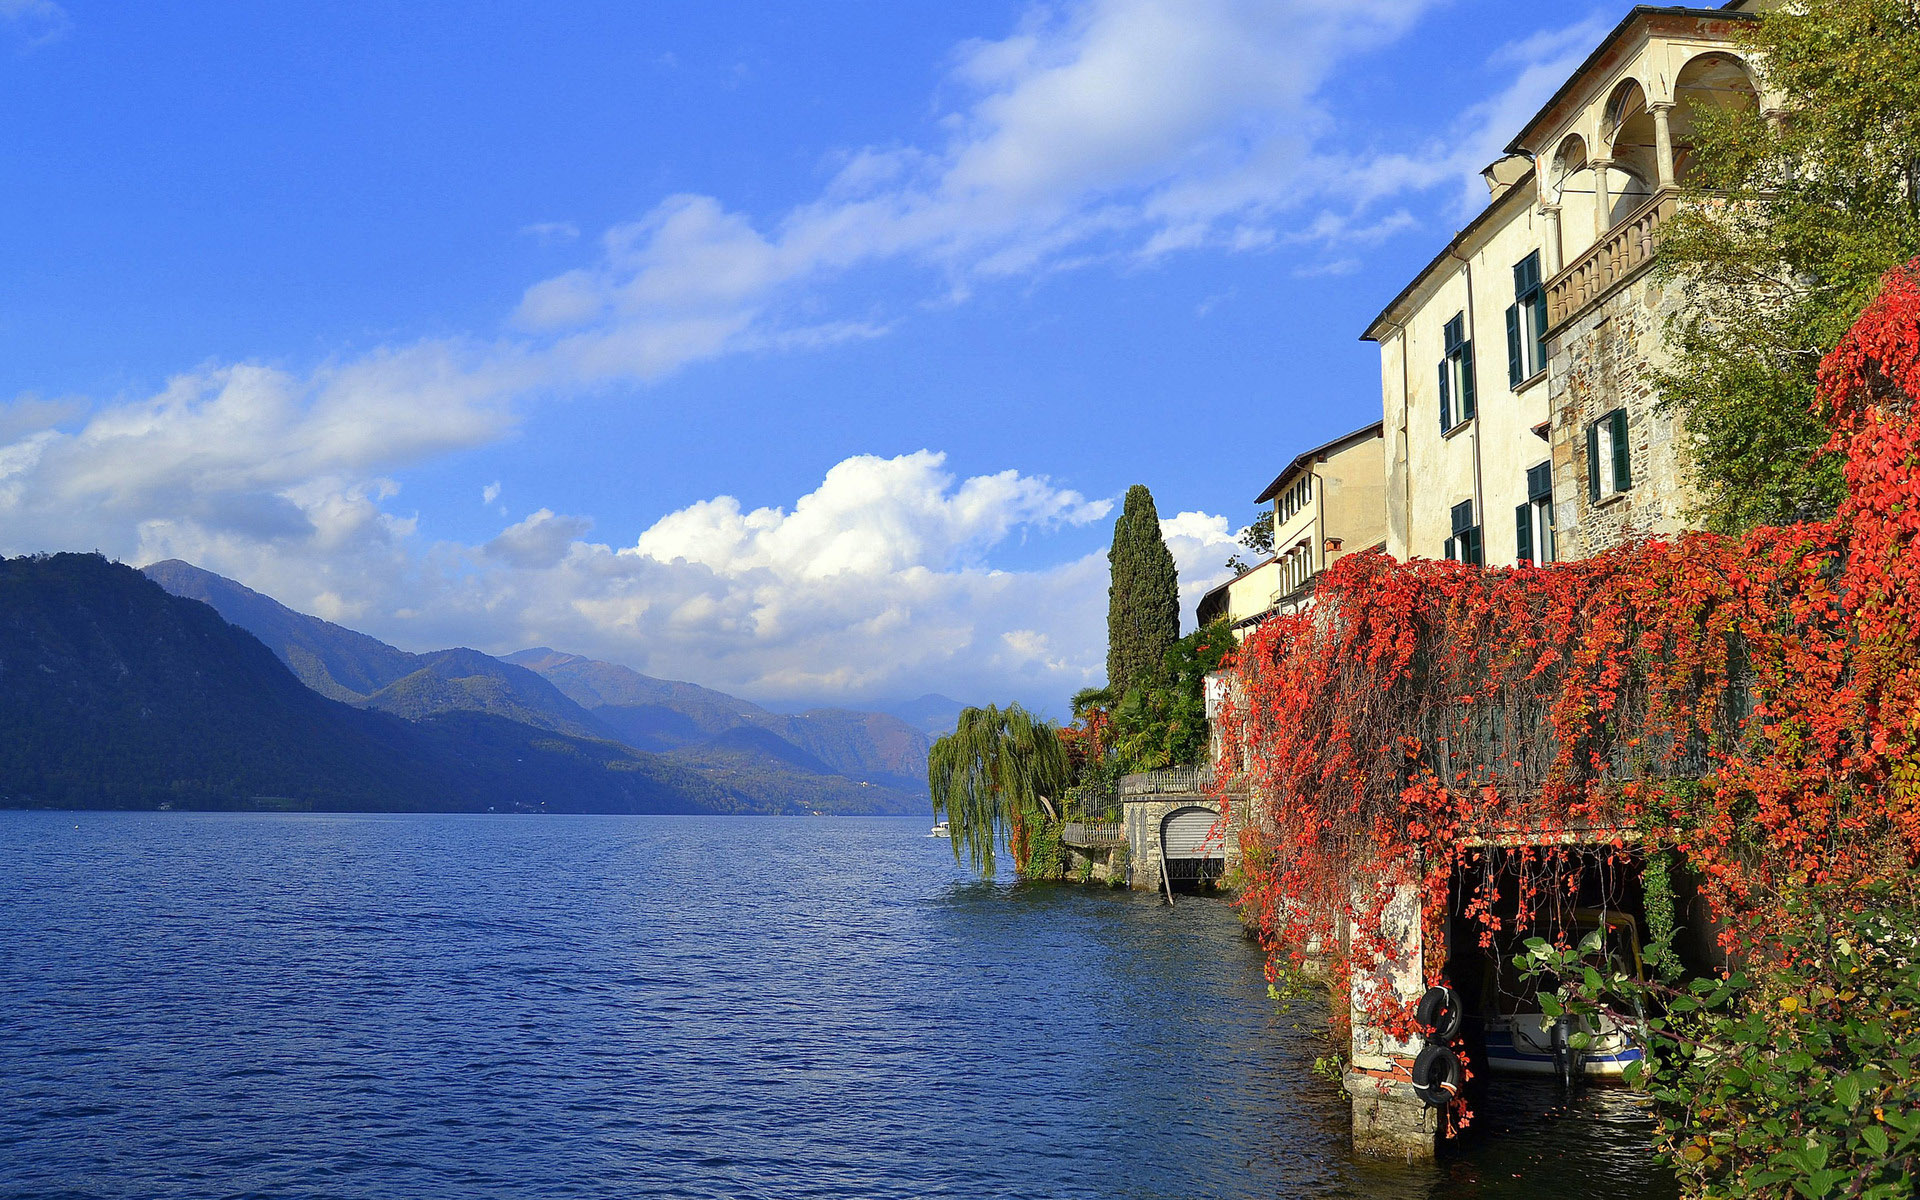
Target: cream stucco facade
(1329, 502)
(1517, 369)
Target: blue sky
(798, 349)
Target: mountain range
(822, 760)
(115, 694)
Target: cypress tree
(1143, 603)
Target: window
(1527, 323)
(1456, 376)
(1533, 521)
(1294, 499)
(1464, 545)
(1609, 462)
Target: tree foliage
(1803, 1080)
(1143, 603)
(1790, 225)
(994, 779)
(1257, 537)
(1165, 724)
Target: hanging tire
(1439, 1013)
(1437, 1076)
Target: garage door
(1184, 834)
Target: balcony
(1623, 253)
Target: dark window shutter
(1466, 381)
(1523, 531)
(1470, 547)
(1540, 482)
(1526, 275)
(1446, 404)
(1516, 360)
(1622, 460)
(1462, 517)
(1539, 330)
(1593, 462)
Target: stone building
(1543, 439)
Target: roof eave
(1305, 458)
(1376, 329)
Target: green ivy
(1045, 855)
(1657, 883)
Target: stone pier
(1389, 1121)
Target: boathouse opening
(1193, 839)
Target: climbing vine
(1744, 710)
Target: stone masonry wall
(1143, 818)
(1602, 360)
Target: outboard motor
(1566, 1060)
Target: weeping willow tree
(993, 778)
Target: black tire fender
(1439, 1013)
(1437, 1076)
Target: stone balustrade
(1626, 249)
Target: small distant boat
(939, 830)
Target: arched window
(1712, 86)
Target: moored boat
(1522, 1040)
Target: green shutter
(1526, 274)
(1523, 532)
(1516, 360)
(1593, 462)
(1446, 405)
(1540, 330)
(1622, 460)
(1471, 548)
(1466, 381)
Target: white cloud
(1096, 131)
(541, 540)
(877, 582)
(1120, 127)
(1201, 544)
(552, 233)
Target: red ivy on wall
(1752, 704)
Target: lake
(198, 1005)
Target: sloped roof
(1340, 443)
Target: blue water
(200, 1005)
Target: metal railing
(1169, 781)
(1616, 257)
(1093, 835)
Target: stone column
(1663, 142)
(1602, 202)
(1389, 1121)
(1554, 255)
